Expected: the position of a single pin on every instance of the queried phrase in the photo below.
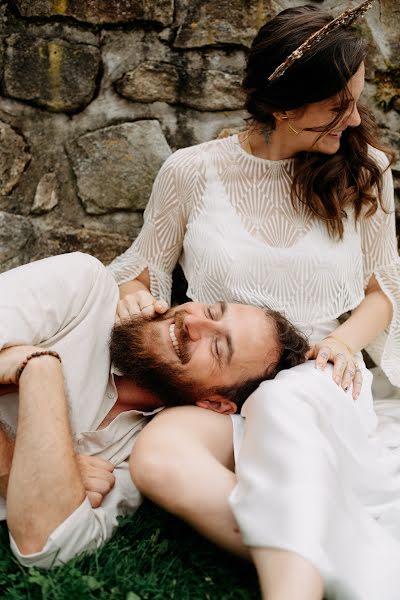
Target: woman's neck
(273, 144)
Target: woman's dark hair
(325, 183)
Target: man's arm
(87, 528)
(96, 473)
(41, 299)
(44, 486)
(6, 454)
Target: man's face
(197, 347)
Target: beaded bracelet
(35, 355)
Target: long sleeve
(159, 243)
(380, 258)
(87, 528)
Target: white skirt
(319, 474)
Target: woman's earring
(293, 129)
(290, 126)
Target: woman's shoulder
(379, 156)
(194, 156)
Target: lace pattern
(228, 218)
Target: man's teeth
(173, 339)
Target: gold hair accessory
(344, 19)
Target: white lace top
(228, 218)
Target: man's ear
(218, 404)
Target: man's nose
(197, 327)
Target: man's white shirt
(67, 303)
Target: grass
(152, 556)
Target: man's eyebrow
(223, 308)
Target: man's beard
(131, 352)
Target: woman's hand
(345, 366)
(140, 302)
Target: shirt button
(111, 395)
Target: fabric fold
(311, 480)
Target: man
(65, 478)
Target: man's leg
(183, 461)
(44, 485)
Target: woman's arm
(366, 322)
(381, 277)
(144, 271)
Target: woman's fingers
(348, 376)
(140, 303)
(357, 383)
(352, 376)
(161, 307)
(339, 367)
(346, 372)
(323, 356)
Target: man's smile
(174, 340)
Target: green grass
(152, 556)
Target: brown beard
(131, 352)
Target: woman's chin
(329, 146)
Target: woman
(296, 213)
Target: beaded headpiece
(346, 18)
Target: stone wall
(95, 94)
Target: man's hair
(292, 347)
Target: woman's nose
(354, 119)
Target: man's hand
(97, 477)
(10, 361)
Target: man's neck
(132, 397)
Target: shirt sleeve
(87, 528)
(159, 243)
(41, 299)
(381, 258)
